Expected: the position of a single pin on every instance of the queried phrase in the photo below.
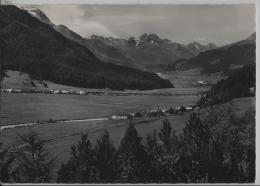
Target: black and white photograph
(127, 93)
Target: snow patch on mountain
(37, 13)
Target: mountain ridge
(151, 53)
(196, 48)
(223, 59)
(145, 52)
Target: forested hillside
(225, 59)
(240, 84)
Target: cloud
(227, 42)
(201, 39)
(124, 20)
(180, 23)
(91, 27)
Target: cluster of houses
(178, 110)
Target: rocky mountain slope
(145, 52)
(196, 48)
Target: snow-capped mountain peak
(252, 36)
(195, 47)
(37, 13)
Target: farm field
(23, 108)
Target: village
(147, 113)
(177, 110)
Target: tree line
(215, 146)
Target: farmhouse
(9, 90)
(201, 82)
(121, 117)
(17, 91)
(65, 92)
(81, 92)
(188, 108)
(154, 113)
(56, 91)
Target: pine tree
(165, 134)
(169, 138)
(80, 168)
(196, 139)
(6, 162)
(155, 154)
(170, 155)
(104, 159)
(32, 162)
(133, 161)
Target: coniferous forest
(241, 83)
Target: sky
(220, 24)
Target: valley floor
(79, 110)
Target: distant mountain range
(35, 47)
(151, 53)
(222, 59)
(196, 48)
(148, 51)
(145, 52)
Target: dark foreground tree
(80, 168)
(33, 163)
(133, 161)
(195, 141)
(6, 161)
(216, 148)
(170, 148)
(104, 159)
(155, 154)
